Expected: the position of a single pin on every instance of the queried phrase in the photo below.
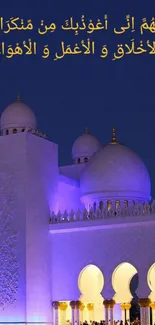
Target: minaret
(114, 136)
(18, 97)
(86, 131)
(28, 182)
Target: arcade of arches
(124, 305)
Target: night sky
(78, 91)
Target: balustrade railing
(122, 210)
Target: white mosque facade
(72, 238)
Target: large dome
(85, 146)
(18, 115)
(115, 172)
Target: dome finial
(113, 135)
(18, 97)
(86, 130)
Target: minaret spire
(86, 130)
(114, 135)
(18, 97)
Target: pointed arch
(121, 279)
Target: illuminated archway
(90, 283)
(121, 280)
(151, 281)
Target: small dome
(18, 115)
(115, 172)
(85, 146)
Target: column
(77, 312)
(82, 306)
(106, 311)
(147, 315)
(72, 304)
(111, 305)
(62, 307)
(55, 305)
(123, 312)
(127, 308)
(90, 307)
(142, 313)
(152, 305)
(144, 304)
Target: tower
(28, 177)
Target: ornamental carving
(90, 307)
(144, 302)
(134, 209)
(106, 303)
(127, 306)
(78, 304)
(63, 305)
(9, 268)
(152, 305)
(73, 304)
(122, 306)
(55, 304)
(82, 306)
(109, 303)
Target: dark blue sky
(75, 92)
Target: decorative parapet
(36, 132)
(136, 209)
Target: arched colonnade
(92, 306)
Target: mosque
(72, 238)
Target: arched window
(78, 160)
(7, 132)
(85, 159)
(101, 205)
(126, 203)
(117, 204)
(94, 206)
(23, 130)
(14, 131)
(109, 204)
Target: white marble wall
(42, 175)
(68, 195)
(28, 178)
(104, 246)
(12, 228)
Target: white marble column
(111, 316)
(106, 316)
(55, 305)
(123, 312)
(127, 308)
(108, 311)
(82, 306)
(144, 304)
(77, 312)
(152, 305)
(142, 315)
(153, 316)
(111, 313)
(90, 308)
(62, 313)
(147, 315)
(73, 304)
